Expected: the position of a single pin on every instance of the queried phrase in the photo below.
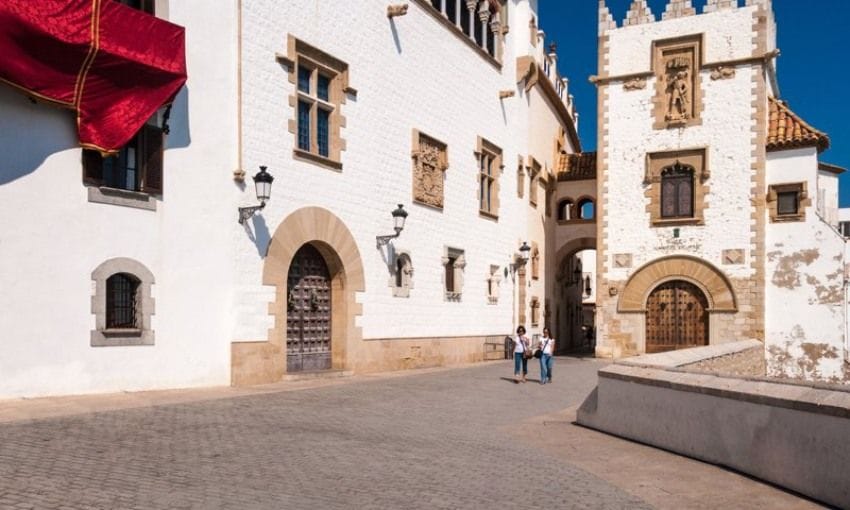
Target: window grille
(121, 290)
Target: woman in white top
(547, 347)
(521, 345)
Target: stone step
(317, 374)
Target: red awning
(114, 65)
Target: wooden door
(308, 318)
(676, 317)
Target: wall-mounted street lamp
(520, 259)
(399, 217)
(263, 182)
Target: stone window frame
(406, 286)
(534, 169)
(485, 148)
(656, 162)
(579, 203)
(535, 311)
(520, 178)
(494, 280)
(695, 43)
(803, 201)
(456, 258)
(534, 259)
(564, 219)
(302, 54)
(418, 155)
(101, 336)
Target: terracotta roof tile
(577, 167)
(786, 130)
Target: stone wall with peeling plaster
(805, 292)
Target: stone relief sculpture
(679, 86)
(430, 161)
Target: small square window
(787, 202)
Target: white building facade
(717, 222)
(453, 109)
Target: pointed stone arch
(265, 362)
(714, 284)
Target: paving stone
(422, 441)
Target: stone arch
(565, 209)
(710, 280)
(581, 202)
(264, 362)
(574, 246)
(564, 323)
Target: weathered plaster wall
(806, 294)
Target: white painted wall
(805, 292)
(54, 238)
(725, 131)
(828, 197)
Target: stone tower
(681, 174)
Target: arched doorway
(574, 323)
(308, 318)
(265, 361)
(676, 317)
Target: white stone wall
(828, 197)
(725, 132)
(410, 73)
(53, 238)
(728, 36)
(806, 295)
(414, 75)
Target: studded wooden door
(308, 318)
(676, 317)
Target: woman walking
(521, 348)
(547, 347)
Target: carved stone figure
(679, 95)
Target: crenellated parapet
(678, 9)
(720, 5)
(606, 20)
(639, 12)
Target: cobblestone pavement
(435, 440)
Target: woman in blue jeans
(521, 345)
(547, 347)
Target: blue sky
(813, 67)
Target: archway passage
(308, 318)
(574, 321)
(676, 317)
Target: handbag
(526, 353)
(538, 352)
